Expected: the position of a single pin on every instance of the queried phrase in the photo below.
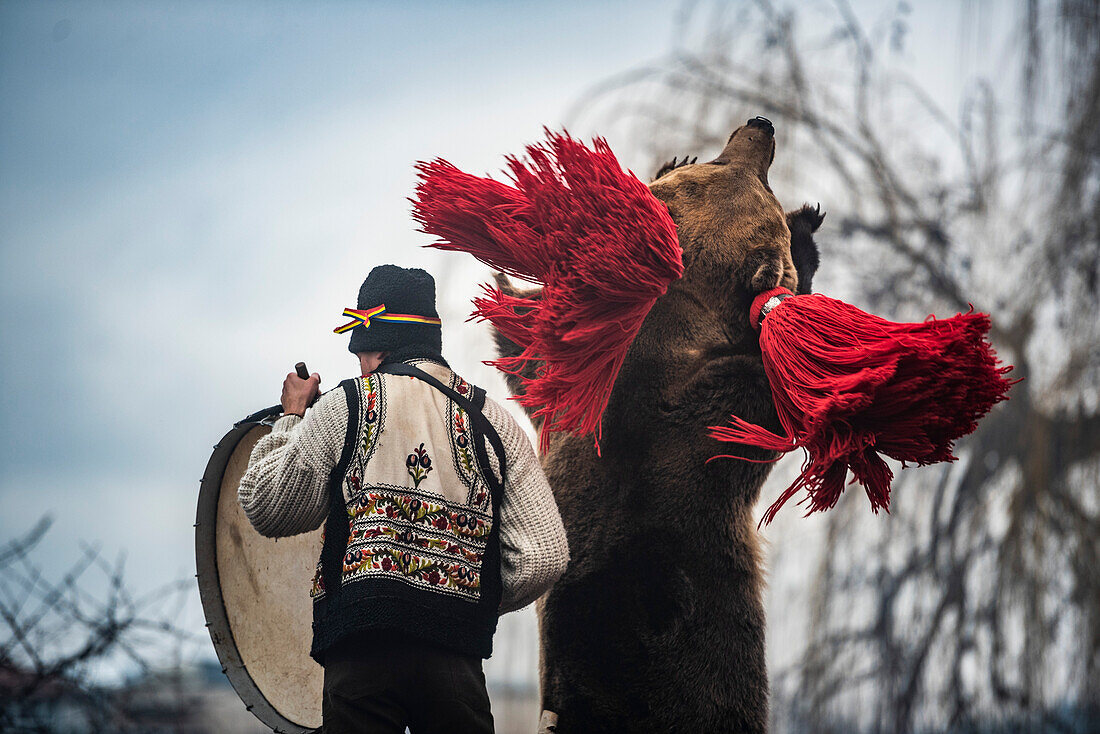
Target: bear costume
(658, 623)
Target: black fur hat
(404, 291)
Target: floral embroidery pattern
(463, 440)
(370, 415)
(462, 437)
(410, 538)
(415, 539)
(420, 512)
(372, 399)
(455, 576)
(419, 464)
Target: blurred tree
(59, 641)
(979, 599)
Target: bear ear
(672, 164)
(506, 287)
(803, 223)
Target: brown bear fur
(658, 623)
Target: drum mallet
(302, 372)
(259, 415)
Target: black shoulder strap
(336, 524)
(481, 424)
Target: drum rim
(213, 606)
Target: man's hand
(299, 394)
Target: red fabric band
(758, 303)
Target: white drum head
(255, 592)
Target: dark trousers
(389, 682)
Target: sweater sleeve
(283, 491)
(533, 547)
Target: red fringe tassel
(850, 386)
(602, 246)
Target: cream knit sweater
(284, 491)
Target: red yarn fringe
(849, 386)
(602, 246)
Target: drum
(255, 593)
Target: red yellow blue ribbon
(363, 318)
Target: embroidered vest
(421, 553)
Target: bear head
(736, 239)
(736, 242)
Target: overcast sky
(190, 194)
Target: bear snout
(763, 123)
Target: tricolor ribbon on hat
(362, 317)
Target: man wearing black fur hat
(439, 518)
